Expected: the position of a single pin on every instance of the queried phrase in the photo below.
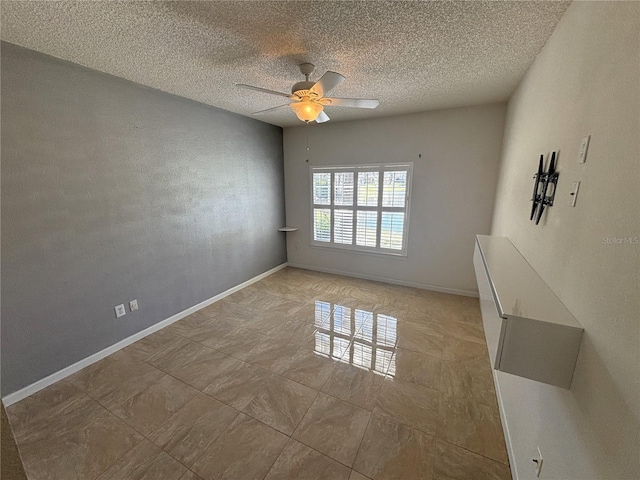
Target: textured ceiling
(412, 56)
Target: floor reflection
(358, 337)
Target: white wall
(452, 196)
(585, 80)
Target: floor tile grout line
(96, 399)
(305, 414)
(162, 450)
(441, 383)
(333, 369)
(475, 453)
(195, 459)
(114, 462)
(403, 423)
(321, 453)
(278, 457)
(260, 367)
(355, 458)
(437, 435)
(204, 450)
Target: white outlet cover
(133, 305)
(120, 310)
(584, 147)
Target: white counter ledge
(529, 331)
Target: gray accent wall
(113, 191)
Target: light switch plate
(584, 146)
(538, 461)
(574, 193)
(133, 305)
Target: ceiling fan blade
(263, 90)
(271, 109)
(327, 82)
(350, 102)
(322, 117)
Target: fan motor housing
(303, 86)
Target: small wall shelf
(529, 331)
(288, 229)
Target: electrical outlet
(538, 461)
(120, 311)
(133, 305)
(584, 146)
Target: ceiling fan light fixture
(306, 110)
(309, 98)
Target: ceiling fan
(308, 98)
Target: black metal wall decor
(544, 188)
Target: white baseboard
(71, 369)
(505, 428)
(423, 286)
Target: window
(361, 208)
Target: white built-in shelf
(287, 229)
(529, 331)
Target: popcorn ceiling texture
(412, 56)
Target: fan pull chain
(307, 129)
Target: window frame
(379, 208)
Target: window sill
(331, 248)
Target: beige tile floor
(300, 376)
